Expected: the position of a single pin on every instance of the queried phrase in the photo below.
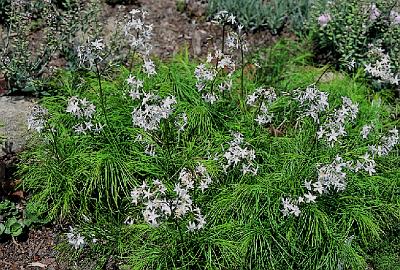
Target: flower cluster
(149, 67)
(334, 125)
(330, 177)
(312, 101)
(136, 86)
(223, 17)
(91, 52)
(237, 40)
(324, 19)
(395, 17)
(151, 111)
(37, 119)
(207, 73)
(382, 68)
(236, 154)
(138, 33)
(387, 143)
(367, 164)
(374, 12)
(366, 129)
(160, 206)
(75, 239)
(83, 110)
(265, 97)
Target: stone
(14, 111)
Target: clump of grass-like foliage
(87, 177)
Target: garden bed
(193, 145)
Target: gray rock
(13, 119)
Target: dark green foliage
(4, 9)
(274, 15)
(350, 32)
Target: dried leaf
(19, 193)
(37, 264)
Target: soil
(34, 251)
(173, 31)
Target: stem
(101, 93)
(323, 73)
(223, 38)
(54, 144)
(177, 227)
(242, 71)
(214, 80)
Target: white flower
(75, 239)
(365, 131)
(98, 44)
(134, 94)
(310, 197)
(191, 226)
(290, 207)
(324, 19)
(382, 68)
(208, 97)
(307, 185)
(374, 12)
(149, 116)
(395, 17)
(149, 67)
(151, 217)
(232, 19)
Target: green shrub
(353, 26)
(273, 15)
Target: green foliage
(87, 178)
(26, 64)
(21, 66)
(349, 33)
(14, 221)
(4, 8)
(274, 15)
(275, 60)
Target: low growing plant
(185, 165)
(14, 220)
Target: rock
(330, 76)
(13, 117)
(197, 41)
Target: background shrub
(273, 15)
(350, 31)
